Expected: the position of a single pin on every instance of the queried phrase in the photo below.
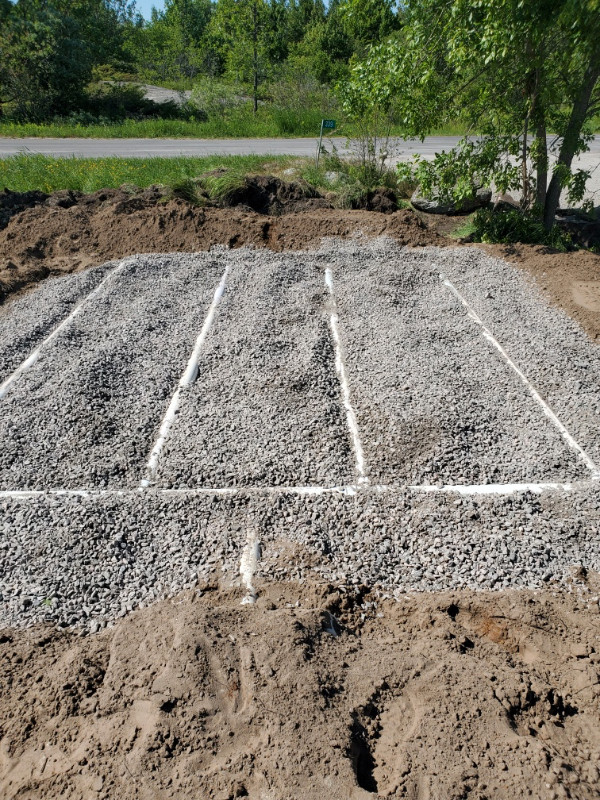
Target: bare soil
(313, 693)
(570, 281)
(67, 232)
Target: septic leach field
(415, 419)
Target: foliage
(512, 70)
(48, 50)
(27, 172)
(246, 32)
(192, 179)
(509, 227)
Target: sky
(145, 6)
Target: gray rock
(434, 404)
(481, 198)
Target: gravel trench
(435, 402)
(86, 414)
(27, 320)
(266, 408)
(550, 346)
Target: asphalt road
(147, 148)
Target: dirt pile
(12, 203)
(312, 693)
(68, 231)
(267, 194)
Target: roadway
(149, 148)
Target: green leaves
(510, 69)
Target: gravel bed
(87, 561)
(406, 541)
(266, 409)
(26, 321)
(435, 402)
(86, 415)
(557, 356)
(107, 555)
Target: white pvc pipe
(569, 439)
(350, 490)
(249, 565)
(341, 371)
(33, 357)
(187, 379)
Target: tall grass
(24, 173)
(277, 122)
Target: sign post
(326, 124)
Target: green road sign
(326, 124)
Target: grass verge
(244, 127)
(25, 173)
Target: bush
(217, 99)
(116, 102)
(515, 226)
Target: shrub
(515, 226)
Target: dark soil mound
(382, 200)
(12, 203)
(266, 194)
(68, 231)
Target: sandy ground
(317, 691)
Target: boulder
(505, 202)
(482, 197)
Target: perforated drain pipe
(341, 371)
(249, 565)
(569, 439)
(34, 356)
(187, 379)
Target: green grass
(244, 126)
(464, 228)
(24, 173)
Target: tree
(325, 49)
(369, 22)
(49, 47)
(512, 70)
(45, 60)
(244, 27)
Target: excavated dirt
(66, 232)
(43, 235)
(312, 693)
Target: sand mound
(312, 693)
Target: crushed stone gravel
(85, 414)
(26, 321)
(266, 410)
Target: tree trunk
(541, 163)
(255, 54)
(525, 196)
(570, 141)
